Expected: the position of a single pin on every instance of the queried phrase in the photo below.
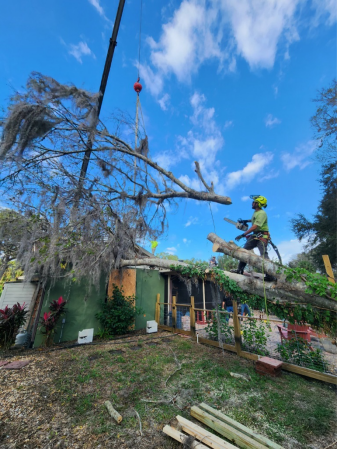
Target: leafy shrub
(255, 337)
(118, 313)
(227, 331)
(49, 320)
(298, 351)
(11, 319)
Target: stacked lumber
(194, 436)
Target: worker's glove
(240, 237)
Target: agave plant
(11, 319)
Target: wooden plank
(180, 437)
(174, 312)
(237, 331)
(232, 434)
(203, 435)
(238, 426)
(157, 314)
(328, 268)
(165, 327)
(328, 378)
(192, 317)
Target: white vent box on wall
(151, 326)
(85, 336)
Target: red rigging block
(265, 361)
(268, 366)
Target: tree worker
(260, 233)
(154, 245)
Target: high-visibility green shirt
(154, 244)
(260, 219)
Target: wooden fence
(237, 348)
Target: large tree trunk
(281, 291)
(248, 256)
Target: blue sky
(228, 83)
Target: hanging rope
(140, 33)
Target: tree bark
(248, 256)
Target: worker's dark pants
(249, 245)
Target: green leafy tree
(321, 231)
(227, 263)
(303, 261)
(164, 255)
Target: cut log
(113, 413)
(181, 437)
(203, 435)
(238, 426)
(231, 433)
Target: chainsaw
(243, 225)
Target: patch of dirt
(116, 352)
(136, 347)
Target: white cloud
(171, 250)
(271, 174)
(186, 241)
(326, 10)
(271, 121)
(79, 50)
(154, 81)
(191, 221)
(258, 26)
(245, 198)
(186, 41)
(99, 9)
(300, 156)
(289, 249)
(203, 142)
(223, 30)
(229, 124)
(163, 102)
(255, 167)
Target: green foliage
(316, 283)
(226, 262)
(226, 330)
(164, 255)
(11, 319)
(298, 351)
(118, 313)
(303, 261)
(255, 337)
(194, 261)
(11, 274)
(50, 319)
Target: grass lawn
(58, 400)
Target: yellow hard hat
(260, 200)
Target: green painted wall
(149, 283)
(81, 308)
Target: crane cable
(138, 104)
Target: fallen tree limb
(282, 291)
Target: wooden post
(237, 331)
(192, 317)
(328, 268)
(157, 314)
(174, 312)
